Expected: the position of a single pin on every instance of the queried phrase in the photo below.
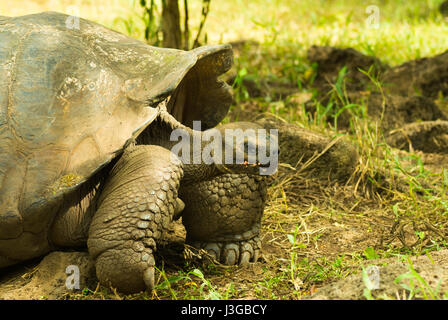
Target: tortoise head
(238, 147)
(247, 148)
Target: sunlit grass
(407, 29)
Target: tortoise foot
(136, 208)
(127, 269)
(232, 252)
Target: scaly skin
(138, 199)
(223, 216)
(222, 210)
(136, 206)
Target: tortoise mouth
(250, 168)
(257, 164)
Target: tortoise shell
(71, 96)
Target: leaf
(242, 73)
(175, 279)
(198, 273)
(291, 238)
(370, 253)
(367, 294)
(367, 281)
(214, 295)
(340, 80)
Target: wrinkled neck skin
(159, 133)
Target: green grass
(413, 284)
(408, 29)
(417, 286)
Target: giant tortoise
(86, 116)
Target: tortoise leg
(137, 204)
(10, 193)
(223, 216)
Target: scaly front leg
(137, 204)
(223, 216)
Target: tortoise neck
(184, 142)
(189, 144)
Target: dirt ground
(325, 218)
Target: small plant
(212, 293)
(206, 290)
(240, 91)
(152, 27)
(296, 281)
(162, 21)
(371, 254)
(271, 30)
(417, 286)
(369, 285)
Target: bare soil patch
(426, 136)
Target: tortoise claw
(245, 258)
(247, 254)
(148, 278)
(232, 253)
(214, 250)
(256, 255)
